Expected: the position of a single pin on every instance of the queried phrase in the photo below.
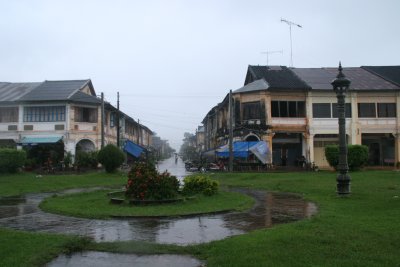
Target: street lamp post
(340, 86)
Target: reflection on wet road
(270, 208)
(103, 259)
(176, 169)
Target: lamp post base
(343, 184)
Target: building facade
(62, 111)
(294, 111)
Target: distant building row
(67, 111)
(294, 111)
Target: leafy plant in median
(111, 157)
(11, 159)
(144, 182)
(196, 184)
(357, 156)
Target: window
(386, 110)
(112, 119)
(44, 114)
(366, 110)
(85, 114)
(321, 110)
(9, 114)
(347, 110)
(275, 108)
(251, 110)
(293, 109)
(129, 128)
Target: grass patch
(20, 248)
(22, 183)
(97, 205)
(360, 230)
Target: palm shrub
(111, 157)
(196, 184)
(144, 183)
(357, 156)
(11, 159)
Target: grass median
(96, 205)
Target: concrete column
(354, 130)
(268, 138)
(20, 118)
(309, 138)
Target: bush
(332, 155)
(146, 183)
(86, 159)
(196, 184)
(111, 157)
(11, 159)
(357, 156)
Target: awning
(40, 140)
(242, 150)
(133, 149)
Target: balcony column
(309, 147)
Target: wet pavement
(103, 259)
(177, 169)
(23, 213)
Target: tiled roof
(277, 77)
(54, 90)
(82, 97)
(14, 91)
(389, 73)
(257, 85)
(321, 78)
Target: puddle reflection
(269, 209)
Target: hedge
(357, 156)
(11, 159)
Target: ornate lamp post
(340, 86)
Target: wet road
(103, 259)
(271, 208)
(176, 169)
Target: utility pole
(102, 119)
(230, 132)
(118, 130)
(271, 52)
(290, 32)
(139, 132)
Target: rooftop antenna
(269, 53)
(290, 31)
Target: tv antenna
(269, 53)
(290, 23)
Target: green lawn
(22, 183)
(96, 205)
(360, 230)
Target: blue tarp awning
(133, 149)
(40, 140)
(242, 149)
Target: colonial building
(62, 111)
(294, 111)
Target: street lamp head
(341, 83)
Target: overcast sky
(172, 61)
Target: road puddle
(104, 259)
(269, 209)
